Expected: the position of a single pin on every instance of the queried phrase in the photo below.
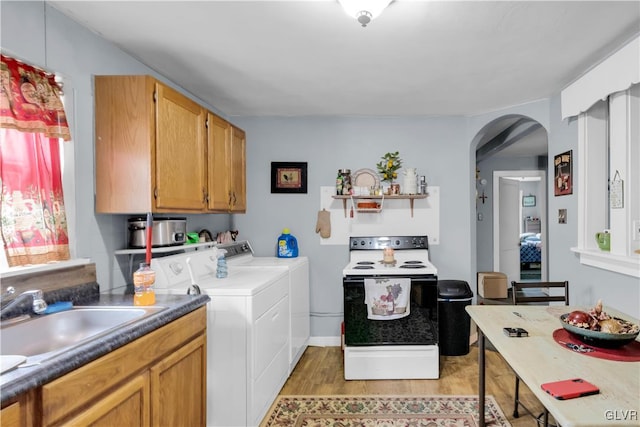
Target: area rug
(382, 411)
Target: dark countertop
(20, 380)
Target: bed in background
(530, 250)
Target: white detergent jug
(410, 182)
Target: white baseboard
(325, 341)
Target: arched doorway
(511, 149)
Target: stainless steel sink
(42, 337)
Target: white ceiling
(306, 57)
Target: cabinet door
(238, 170)
(124, 138)
(19, 413)
(11, 415)
(179, 387)
(180, 180)
(128, 405)
(219, 135)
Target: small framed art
(528, 201)
(563, 174)
(289, 177)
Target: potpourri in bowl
(599, 329)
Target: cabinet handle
(205, 195)
(155, 192)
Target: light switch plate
(562, 216)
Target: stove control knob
(397, 242)
(362, 242)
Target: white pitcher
(410, 182)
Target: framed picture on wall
(289, 177)
(528, 201)
(563, 175)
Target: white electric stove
(390, 344)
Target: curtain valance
(616, 73)
(30, 100)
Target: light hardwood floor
(320, 372)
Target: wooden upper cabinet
(219, 135)
(180, 152)
(226, 166)
(238, 171)
(150, 147)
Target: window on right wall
(608, 202)
(606, 102)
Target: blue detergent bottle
(287, 245)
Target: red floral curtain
(30, 100)
(32, 122)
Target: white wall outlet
(635, 231)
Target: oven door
(420, 327)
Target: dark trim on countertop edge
(20, 380)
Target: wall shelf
(382, 198)
(164, 249)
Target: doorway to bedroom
(530, 235)
(519, 224)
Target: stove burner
(407, 265)
(413, 262)
(365, 263)
(363, 267)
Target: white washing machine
(240, 254)
(248, 343)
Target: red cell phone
(569, 389)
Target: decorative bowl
(599, 338)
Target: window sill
(629, 265)
(17, 271)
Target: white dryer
(247, 332)
(240, 254)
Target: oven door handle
(350, 280)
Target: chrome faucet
(10, 291)
(39, 305)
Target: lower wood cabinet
(10, 415)
(157, 380)
(127, 405)
(19, 412)
(179, 384)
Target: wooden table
(538, 359)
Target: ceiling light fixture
(364, 11)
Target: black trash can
(453, 319)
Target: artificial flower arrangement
(388, 167)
